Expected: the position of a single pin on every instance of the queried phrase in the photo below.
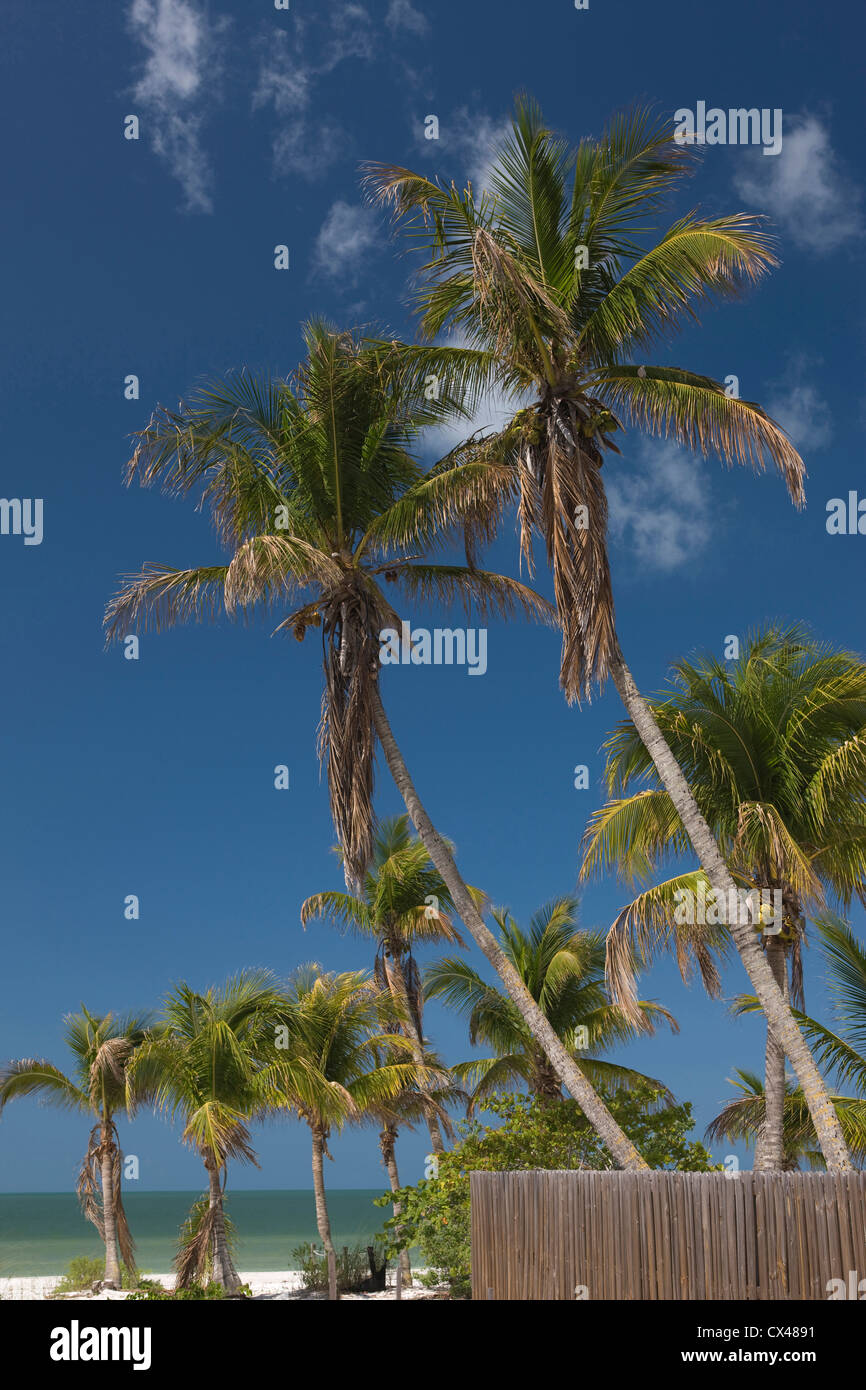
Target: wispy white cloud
(402, 14)
(467, 143)
(804, 189)
(663, 509)
(177, 81)
(349, 233)
(289, 71)
(798, 406)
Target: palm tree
(841, 1051)
(563, 969)
(546, 280)
(343, 1037)
(102, 1046)
(404, 1110)
(210, 1063)
(404, 903)
(742, 1121)
(774, 747)
(313, 490)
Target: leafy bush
(435, 1213)
(150, 1292)
(81, 1273)
(352, 1267)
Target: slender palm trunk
(397, 983)
(621, 1148)
(388, 1144)
(770, 1147)
(780, 1020)
(323, 1221)
(109, 1212)
(224, 1271)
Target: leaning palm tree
(343, 1035)
(208, 1063)
(546, 278)
(103, 1047)
(774, 748)
(742, 1121)
(840, 1050)
(405, 903)
(314, 492)
(563, 969)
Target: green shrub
(435, 1213)
(150, 1292)
(352, 1267)
(81, 1273)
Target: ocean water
(41, 1232)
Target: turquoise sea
(41, 1232)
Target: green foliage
(81, 1273)
(435, 1213)
(149, 1292)
(352, 1267)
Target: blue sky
(155, 257)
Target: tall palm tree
(563, 968)
(742, 1121)
(209, 1063)
(774, 748)
(404, 903)
(102, 1047)
(343, 1036)
(314, 492)
(546, 278)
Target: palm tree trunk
(224, 1271)
(388, 1143)
(397, 983)
(770, 1147)
(621, 1148)
(109, 1215)
(322, 1219)
(780, 1020)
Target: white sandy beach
(270, 1285)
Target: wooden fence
(579, 1234)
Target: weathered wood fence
(567, 1235)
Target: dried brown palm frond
(193, 1260)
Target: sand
(272, 1286)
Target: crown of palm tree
(314, 492)
(547, 278)
(343, 1032)
(208, 1060)
(774, 748)
(563, 969)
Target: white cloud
(182, 47)
(797, 405)
(663, 511)
(804, 189)
(403, 15)
(348, 234)
(470, 138)
(287, 82)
